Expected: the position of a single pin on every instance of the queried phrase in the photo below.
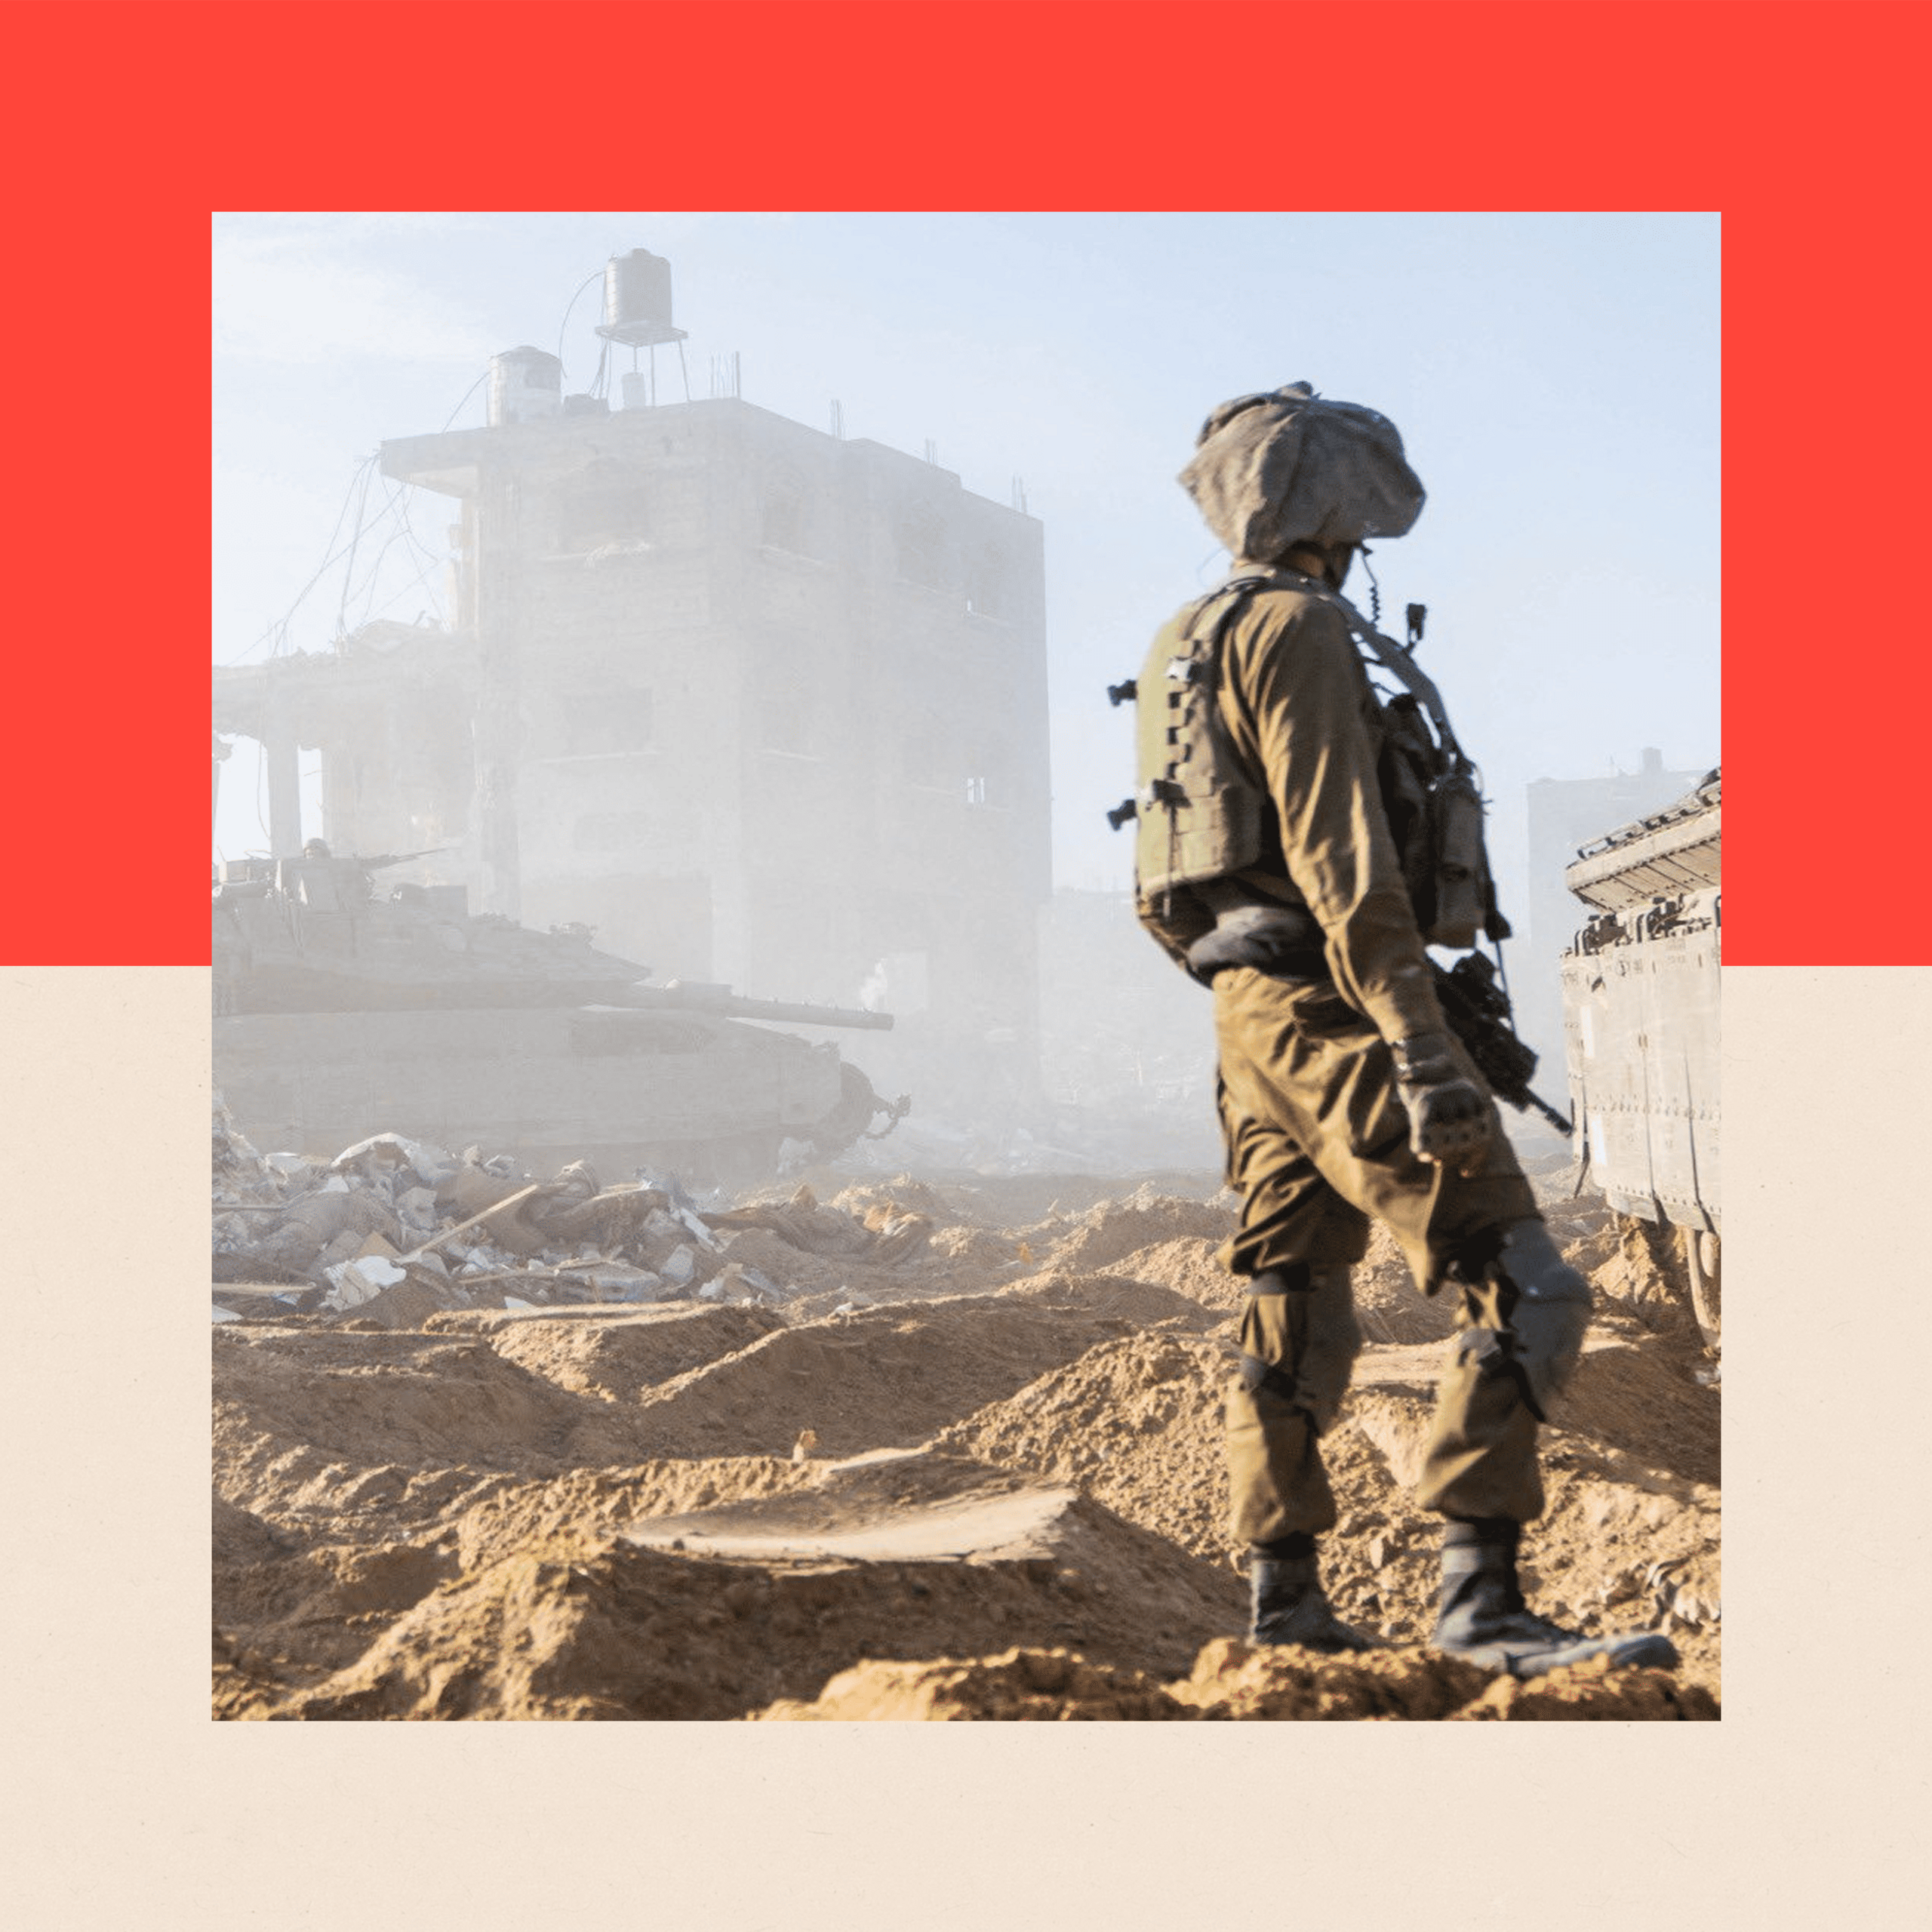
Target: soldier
(1283, 847)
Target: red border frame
(1798, 122)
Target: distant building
(757, 703)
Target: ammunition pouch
(1465, 899)
(1435, 816)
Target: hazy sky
(1555, 378)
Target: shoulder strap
(1231, 595)
(1399, 663)
(1401, 666)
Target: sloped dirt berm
(985, 1484)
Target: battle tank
(1641, 1024)
(340, 1013)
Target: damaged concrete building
(758, 703)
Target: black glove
(1448, 1114)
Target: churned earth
(974, 1477)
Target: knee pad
(1550, 1315)
(1317, 1380)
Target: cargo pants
(1317, 1143)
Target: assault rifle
(1477, 1011)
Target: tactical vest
(1202, 815)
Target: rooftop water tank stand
(637, 312)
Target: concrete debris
(417, 1206)
(885, 1234)
(393, 1229)
(393, 1153)
(357, 1281)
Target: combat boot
(1287, 1606)
(1483, 1616)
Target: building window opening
(976, 791)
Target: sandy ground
(982, 1480)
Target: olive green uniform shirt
(1298, 702)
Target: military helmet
(1286, 466)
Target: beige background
(1805, 1808)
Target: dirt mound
(298, 1602)
(618, 1358)
(247, 1685)
(602, 1502)
(1188, 1267)
(978, 1248)
(335, 1420)
(1392, 1309)
(954, 1261)
(983, 1480)
(1115, 1229)
(874, 1379)
(1127, 1300)
(241, 1537)
(1640, 1270)
(1135, 1422)
(1638, 1404)
(1233, 1680)
(1052, 1686)
(1593, 1692)
(296, 1613)
(1236, 1682)
(587, 1626)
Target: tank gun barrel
(703, 996)
(379, 861)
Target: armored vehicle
(340, 1013)
(1641, 1011)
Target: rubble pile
(394, 1230)
(870, 1447)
